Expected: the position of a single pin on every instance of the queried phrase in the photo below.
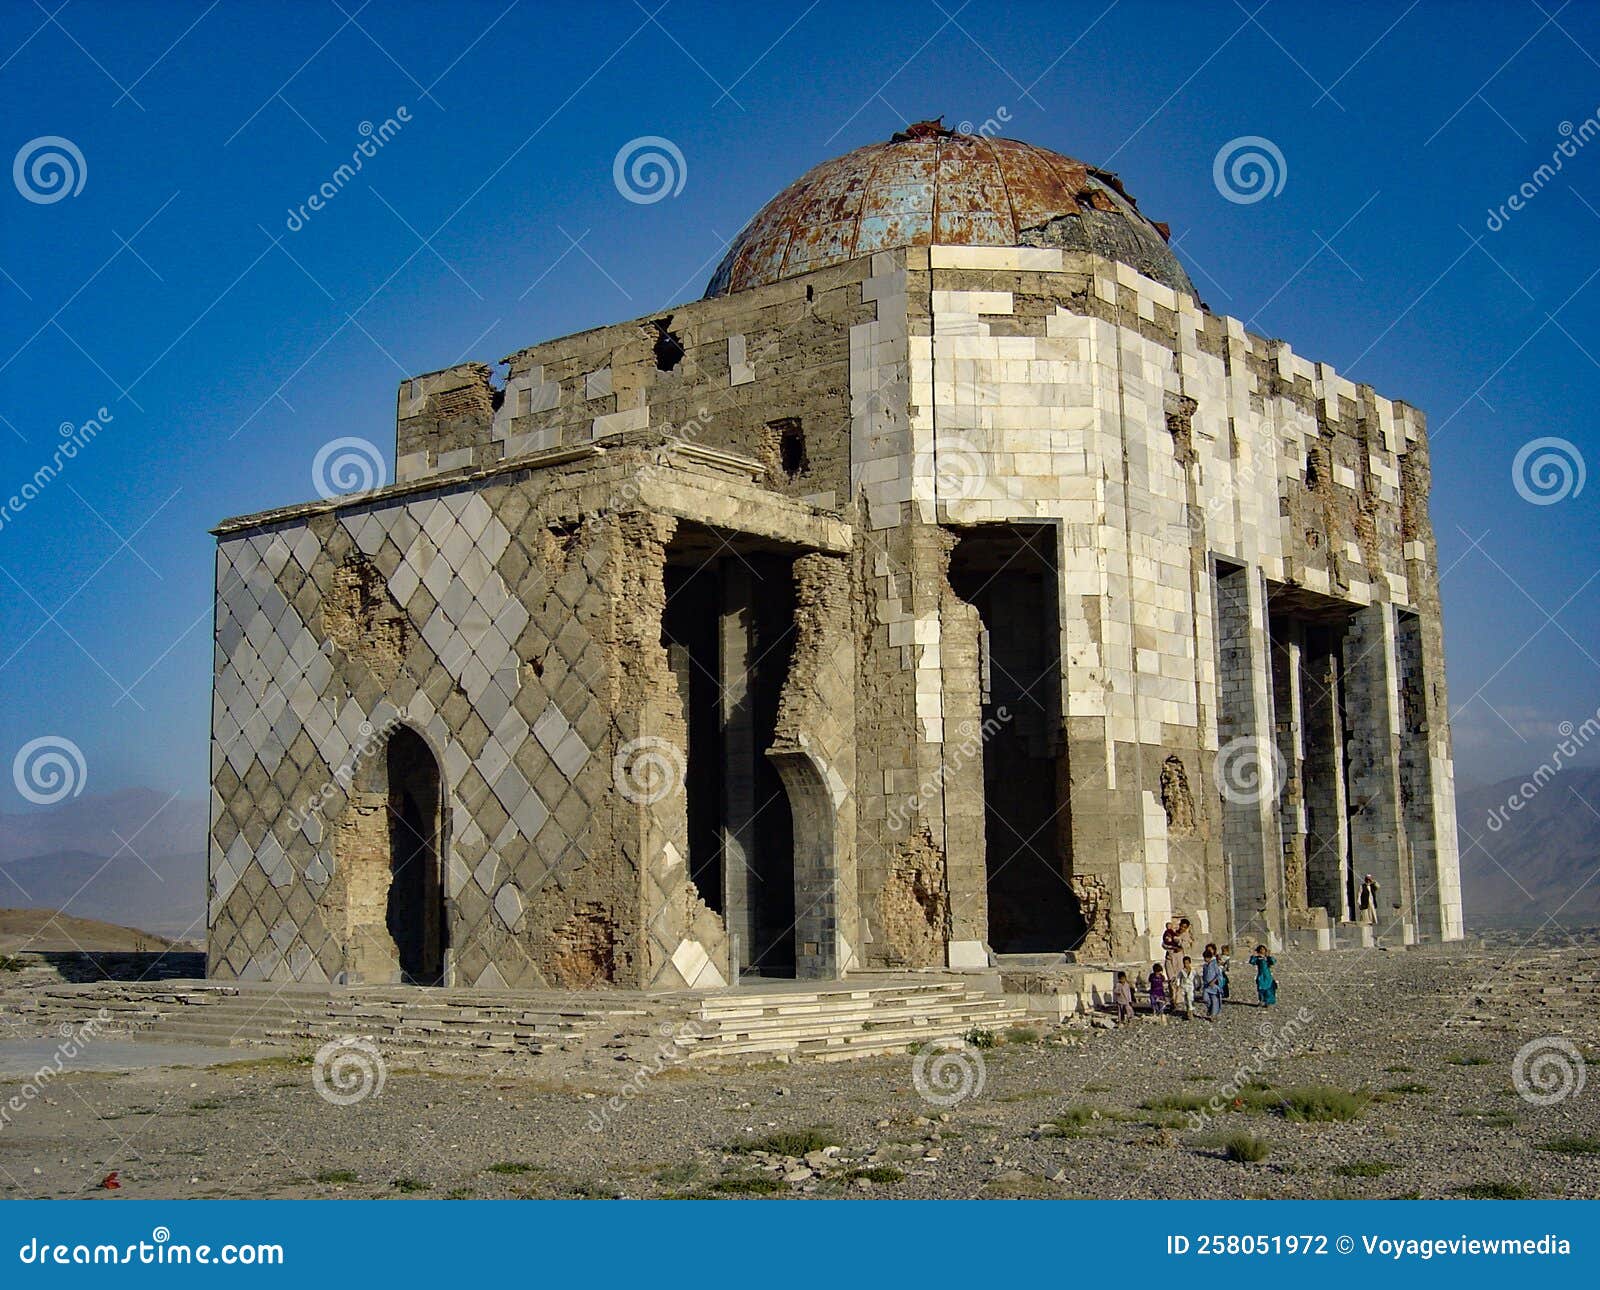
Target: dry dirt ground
(1420, 1049)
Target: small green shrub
(1410, 1087)
(877, 1174)
(1467, 1059)
(1401, 1069)
(978, 1037)
(10, 963)
(337, 1177)
(408, 1185)
(1572, 1145)
(513, 1167)
(1320, 1103)
(788, 1142)
(1177, 1102)
(1365, 1169)
(1493, 1191)
(1022, 1035)
(1246, 1148)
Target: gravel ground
(1426, 1041)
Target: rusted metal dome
(930, 185)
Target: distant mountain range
(1542, 862)
(137, 858)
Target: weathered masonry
(947, 584)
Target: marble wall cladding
(299, 712)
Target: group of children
(1169, 990)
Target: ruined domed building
(948, 584)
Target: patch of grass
(207, 1104)
(1246, 1148)
(513, 1167)
(1493, 1191)
(1097, 1088)
(685, 1173)
(1467, 1059)
(1319, 1103)
(789, 1142)
(1410, 1087)
(747, 1185)
(877, 1174)
(460, 1193)
(1177, 1102)
(584, 1190)
(10, 963)
(978, 1037)
(337, 1177)
(409, 1185)
(1401, 1069)
(1022, 1035)
(1198, 1079)
(1571, 1146)
(1365, 1169)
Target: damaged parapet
(948, 588)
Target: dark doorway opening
(1008, 573)
(728, 629)
(415, 913)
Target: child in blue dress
(1266, 983)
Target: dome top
(929, 185)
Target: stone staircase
(460, 1028)
(845, 1021)
(427, 1028)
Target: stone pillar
(1245, 769)
(961, 775)
(1372, 718)
(1427, 788)
(1323, 776)
(739, 760)
(1289, 733)
(813, 749)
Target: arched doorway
(415, 913)
(387, 892)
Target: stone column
(1245, 769)
(1372, 718)
(1326, 812)
(961, 781)
(739, 760)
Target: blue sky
(227, 348)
